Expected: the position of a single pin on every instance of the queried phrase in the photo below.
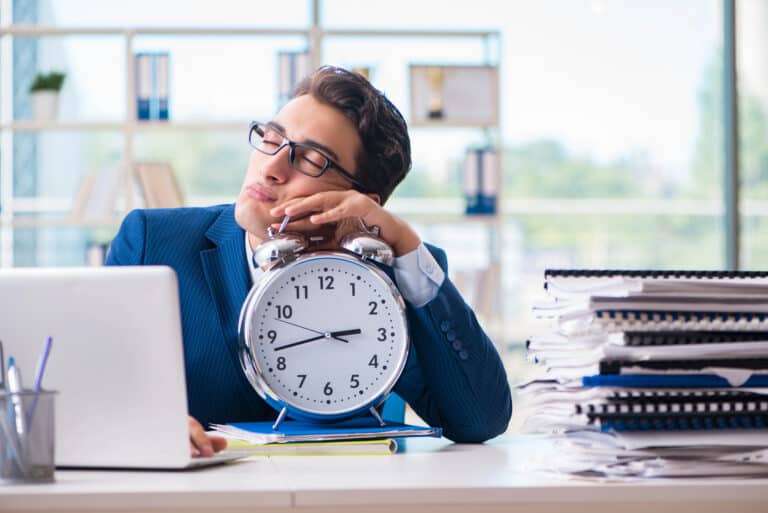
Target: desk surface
(432, 475)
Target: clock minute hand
(306, 340)
(300, 326)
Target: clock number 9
(284, 311)
(281, 363)
(272, 334)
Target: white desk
(433, 475)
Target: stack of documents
(359, 435)
(652, 373)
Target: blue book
(668, 381)
(296, 431)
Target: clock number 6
(328, 390)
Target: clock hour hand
(340, 333)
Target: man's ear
(375, 197)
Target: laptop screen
(116, 361)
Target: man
(334, 153)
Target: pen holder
(27, 437)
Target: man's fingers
(219, 443)
(199, 441)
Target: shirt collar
(256, 272)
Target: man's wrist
(395, 232)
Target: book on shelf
(97, 195)
(152, 85)
(292, 66)
(158, 184)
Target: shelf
(40, 30)
(59, 222)
(21, 30)
(34, 126)
(38, 213)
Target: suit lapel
(226, 272)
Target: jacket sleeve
(454, 377)
(127, 248)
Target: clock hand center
(337, 334)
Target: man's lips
(260, 193)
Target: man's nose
(277, 167)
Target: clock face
(327, 334)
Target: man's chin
(249, 221)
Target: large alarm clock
(323, 334)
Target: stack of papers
(651, 374)
(362, 435)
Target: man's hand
(201, 444)
(342, 208)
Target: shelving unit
(130, 127)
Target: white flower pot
(45, 105)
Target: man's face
(270, 180)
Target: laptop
(117, 361)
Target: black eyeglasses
(304, 158)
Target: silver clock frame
(256, 375)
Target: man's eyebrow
(309, 142)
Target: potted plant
(44, 92)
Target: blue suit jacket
(454, 377)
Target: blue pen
(15, 387)
(41, 364)
(39, 372)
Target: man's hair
(385, 156)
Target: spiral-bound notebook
(679, 410)
(611, 321)
(568, 282)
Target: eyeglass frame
(329, 162)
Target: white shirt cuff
(418, 276)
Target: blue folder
(351, 429)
